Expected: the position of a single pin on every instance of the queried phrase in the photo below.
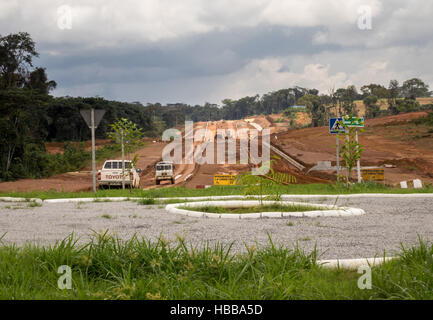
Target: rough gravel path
(388, 222)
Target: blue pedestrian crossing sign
(336, 126)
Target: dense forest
(30, 116)
(399, 99)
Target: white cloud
(265, 75)
(328, 70)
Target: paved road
(388, 223)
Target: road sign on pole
(92, 118)
(373, 174)
(355, 122)
(336, 126)
(224, 180)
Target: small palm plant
(255, 184)
(351, 150)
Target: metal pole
(358, 162)
(338, 158)
(348, 174)
(92, 123)
(123, 163)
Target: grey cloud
(211, 54)
(218, 42)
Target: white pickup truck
(111, 174)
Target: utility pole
(338, 158)
(92, 118)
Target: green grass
(222, 191)
(110, 268)
(146, 201)
(265, 208)
(34, 204)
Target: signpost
(224, 180)
(373, 174)
(92, 118)
(355, 122)
(336, 127)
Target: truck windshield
(163, 167)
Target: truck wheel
(172, 181)
(157, 182)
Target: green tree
(128, 134)
(394, 93)
(372, 110)
(375, 90)
(407, 105)
(315, 108)
(38, 80)
(350, 150)
(345, 98)
(16, 57)
(415, 88)
(22, 122)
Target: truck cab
(111, 174)
(164, 170)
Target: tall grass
(110, 268)
(223, 191)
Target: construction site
(403, 149)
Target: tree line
(399, 98)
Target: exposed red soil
(81, 181)
(383, 142)
(311, 145)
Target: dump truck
(164, 170)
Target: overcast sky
(195, 51)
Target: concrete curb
(111, 199)
(331, 212)
(11, 199)
(353, 264)
(358, 195)
(284, 197)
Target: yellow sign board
(373, 174)
(224, 180)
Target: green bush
(427, 120)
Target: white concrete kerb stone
(285, 197)
(331, 211)
(353, 264)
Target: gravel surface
(388, 223)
